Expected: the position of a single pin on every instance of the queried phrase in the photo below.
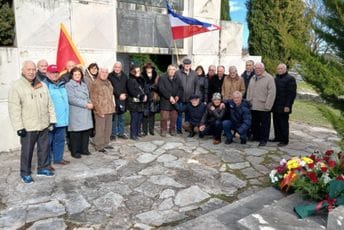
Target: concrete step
(280, 215)
(227, 217)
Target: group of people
(47, 107)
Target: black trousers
(261, 122)
(27, 146)
(281, 127)
(148, 123)
(213, 128)
(78, 141)
(135, 123)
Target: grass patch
(305, 87)
(308, 112)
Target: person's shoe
(172, 133)
(27, 179)
(122, 136)
(45, 172)
(86, 153)
(200, 135)
(63, 162)
(134, 138)
(243, 141)
(141, 135)
(274, 140)
(112, 138)
(262, 144)
(179, 132)
(282, 144)
(108, 147)
(216, 141)
(51, 168)
(102, 151)
(191, 134)
(151, 133)
(77, 155)
(163, 134)
(228, 142)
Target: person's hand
(122, 96)
(172, 101)
(145, 98)
(89, 105)
(101, 115)
(237, 135)
(51, 126)
(222, 106)
(22, 132)
(202, 128)
(176, 98)
(286, 109)
(212, 108)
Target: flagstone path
(153, 182)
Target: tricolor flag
(66, 51)
(183, 27)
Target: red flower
(313, 177)
(312, 157)
(329, 152)
(323, 169)
(311, 165)
(331, 164)
(326, 158)
(281, 169)
(340, 178)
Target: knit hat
(216, 96)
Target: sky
(238, 14)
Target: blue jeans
(228, 126)
(135, 123)
(181, 107)
(57, 143)
(117, 124)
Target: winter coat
(189, 84)
(261, 92)
(246, 77)
(136, 93)
(41, 76)
(30, 106)
(167, 88)
(58, 94)
(202, 88)
(151, 88)
(230, 85)
(211, 116)
(80, 118)
(102, 98)
(119, 83)
(195, 113)
(285, 92)
(215, 86)
(239, 115)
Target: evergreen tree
(6, 24)
(331, 27)
(269, 22)
(225, 10)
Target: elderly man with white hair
(261, 94)
(285, 96)
(32, 116)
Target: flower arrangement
(318, 177)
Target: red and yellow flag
(66, 51)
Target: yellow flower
(293, 163)
(307, 160)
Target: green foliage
(331, 27)
(225, 10)
(6, 24)
(269, 22)
(337, 120)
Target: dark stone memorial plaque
(176, 4)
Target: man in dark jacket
(194, 111)
(215, 83)
(66, 76)
(248, 74)
(42, 66)
(118, 80)
(170, 89)
(211, 123)
(188, 79)
(285, 96)
(237, 118)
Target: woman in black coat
(136, 99)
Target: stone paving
(151, 183)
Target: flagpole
(175, 48)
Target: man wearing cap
(32, 113)
(194, 112)
(59, 97)
(188, 78)
(211, 123)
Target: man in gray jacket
(32, 115)
(188, 78)
(261, 94)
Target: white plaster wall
(237, 61)
(231, 37)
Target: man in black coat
(285, 96)
(248, 74)
(215, 83)
(118, 80)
